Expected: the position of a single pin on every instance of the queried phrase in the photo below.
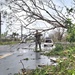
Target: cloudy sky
(58, 2)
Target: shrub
(26, 59)
(58, 47)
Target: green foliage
(58, 47)
(26, 59)
(68, 24)
(8, 42)
(42, 71)
(56, 51)
(71, 30)
(64, 67)
(69, 10)
(71, 36)
(71, 72)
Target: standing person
(38, 40)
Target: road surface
(10, 56)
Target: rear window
(49, 41)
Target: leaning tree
(30, 11)
(48, 12)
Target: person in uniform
(37, 40)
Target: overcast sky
(58, 2)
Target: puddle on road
(32, 59)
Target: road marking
(5, 55)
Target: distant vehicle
(48, 45)
(48, 42)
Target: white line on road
(5, 55)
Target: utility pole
(21, 32)
(0, 26)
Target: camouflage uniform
(38, 40)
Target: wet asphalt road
(11, 64)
